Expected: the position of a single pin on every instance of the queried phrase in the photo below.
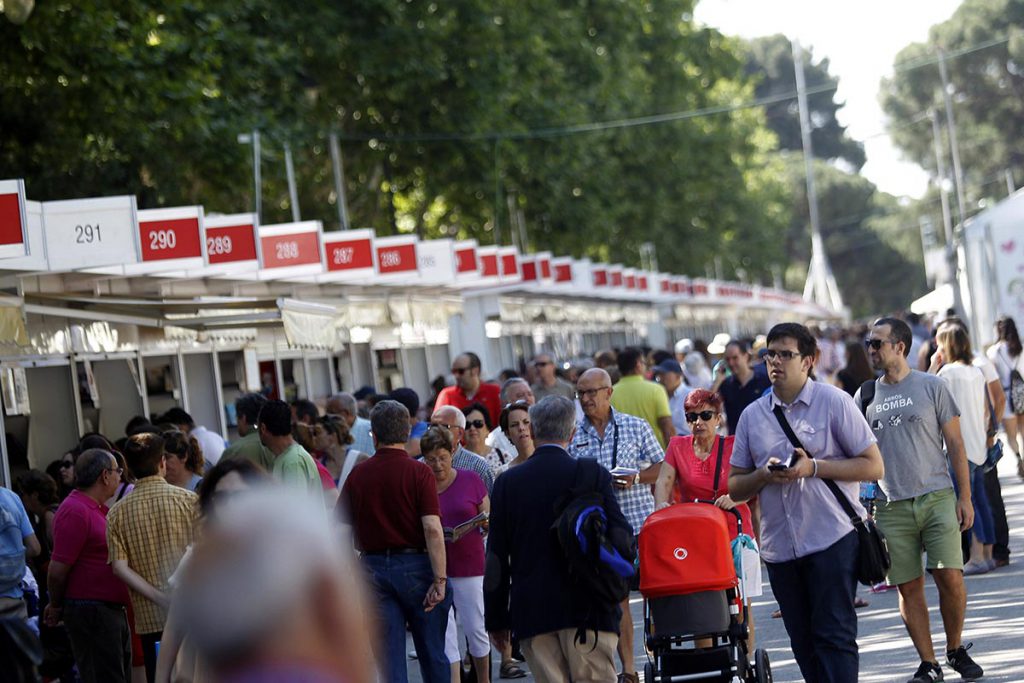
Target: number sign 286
(87, 234)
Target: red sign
(563, 272)
(641, 282)
(545, 269)
(489, 265)
(666, 286)
(349, 254)
(631, 282)
(10, 219)
(230, 244)
(699, 290)
(465, 260)
(600, 278)
(170, 239)
(398, 258)
(616, 276)
(529, 271)
(509, 265)
(291, 249)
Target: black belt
(398, 551)
(103, 603)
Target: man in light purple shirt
(807, 542)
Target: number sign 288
(87, 234)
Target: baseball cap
(668, 365)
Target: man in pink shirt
(84, 593)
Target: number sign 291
(87, 234)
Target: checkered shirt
(465, 459)
(638, 448)
(152, 527)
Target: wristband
(441, 579)
(815, 472)
(636, 479)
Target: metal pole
(256, 175)
(958, 175)
(293, 192)
(497, 194)
(940, 170)
(339, 181)
(1010, 184)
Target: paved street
(995, 618)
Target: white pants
(468, 608)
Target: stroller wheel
(648, 673)
(762, 668)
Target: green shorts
(925, 524)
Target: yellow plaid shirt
(150, 528)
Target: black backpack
(599, 559)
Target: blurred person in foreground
(527, 590)
(392, 503)
(177, 660)
(84, 592)
(269, 595)
(147, 534)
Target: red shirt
(326, 480)
(385, 498)
(488, 394)
(80, 541)
(695, 478)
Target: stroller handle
(739, 519)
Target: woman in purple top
(462, 496)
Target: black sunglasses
(65, 465)
(475, 424)
(876, 343)
(705, 415)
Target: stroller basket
(689, 615)
(685, 548)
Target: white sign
(436, 260)
(85, 233)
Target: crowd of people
(166, 554)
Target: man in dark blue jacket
(527, 588)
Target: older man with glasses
(470, 388)
(463, 459)
(626, 446)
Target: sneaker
(963, 664)
(927, 672)
(975, 568)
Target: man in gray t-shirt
(907, 419)
(911, 415)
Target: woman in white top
(1005, 354)
(954, 363)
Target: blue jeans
(816, 596)
(399, 584)
(984, 524)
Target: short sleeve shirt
(465, 459)
(80, 541)
(802, 517)
(487, 394)
(15, 527)
(967, 384)
(634, 395)
(628, 441)
(295, 467)
(736, 397)
(460, 502)
(907, 419)
(695, 478)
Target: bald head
(594, 389)
(597, 377)
(452, 418)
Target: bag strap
(867, 394)
(841, 498)
(718, 463)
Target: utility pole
(958, 174)
(821, 286)
(940, 170)
(254, 139)
(1011, 186)
(293, 192)
(339, 181)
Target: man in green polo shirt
(634, 395)
(292, 464)
(248, 446)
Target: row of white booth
(109, 312)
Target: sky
(861, 40)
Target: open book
(457, 532)
(625, 472)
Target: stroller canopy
(685, 548)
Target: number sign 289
(87, 234)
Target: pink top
(80, 541)
(695, 478)
(460, 502)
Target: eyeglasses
(581, 394)
(65, 465)
(542, 363)
(119, 470)
(442, 424)
(786, 355)
(458, 371)
(876, 343)
(475, 424)
(706, 415)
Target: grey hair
(460, 417)
(389, 422)
(507, 387)
(345, 401)
(91, 465)
(553, 419)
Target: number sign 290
(162, 239)
(87, 234)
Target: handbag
(873, 556)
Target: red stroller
(691, 593)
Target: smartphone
(778, 467)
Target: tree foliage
(438, 106)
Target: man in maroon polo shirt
(391, 501)
(469, 388)
(84, 592)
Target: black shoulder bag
(873, 556)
